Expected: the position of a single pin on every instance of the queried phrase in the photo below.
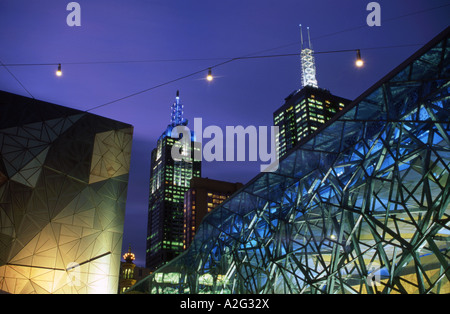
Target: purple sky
(245, 92)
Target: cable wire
(17, 80)
(248, 56)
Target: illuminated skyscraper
(303, 113)
(305, 110)
(169, 180)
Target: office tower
(63, 188)
(169, 180)
(305, 110)
(303, 113)
(201, 198)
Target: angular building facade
(63, 188)
(361, 206)
(169, 180)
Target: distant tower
(127, 272)
(308, 63)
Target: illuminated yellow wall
(63, 187)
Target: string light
(209, 77)
(59, 72)
(359, 62)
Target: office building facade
(201, 198)
(169, 180)
(307, 109)
(63, 189)
(303, 113)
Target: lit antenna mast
(308, 63)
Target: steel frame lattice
(362, 206)
(308, 68)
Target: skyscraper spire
(176, 117)
(308, 62)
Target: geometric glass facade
(63, 188)
(363, 206)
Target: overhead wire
(248, 57)
(17, 80)
(284, 46)
(227, 60)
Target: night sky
(127, 46)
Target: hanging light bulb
(359, 62)
(59, 72)
(209, 77)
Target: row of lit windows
(175, 189)
(299, 109)
(318, 120)
(214, 195)
(316, 115)
(174, 198)
(172, 245)
(311, 100)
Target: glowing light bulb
(59, 72)
(359, 62)
(209, 77)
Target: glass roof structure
(361, 206)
